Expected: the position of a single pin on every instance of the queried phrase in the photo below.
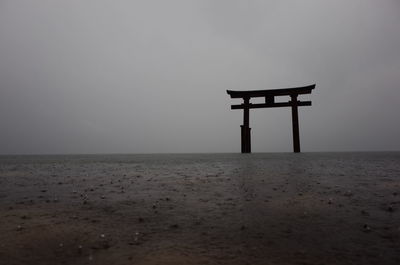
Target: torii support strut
(269, 96)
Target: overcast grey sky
(151, 76)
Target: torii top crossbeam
(270, 95)
(271, 92)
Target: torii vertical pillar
(245, 128)
(269, 96)
(295, 124)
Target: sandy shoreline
(223, 209)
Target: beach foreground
(311, 208)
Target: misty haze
(123, 125)
(150, 77)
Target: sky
(149, 76)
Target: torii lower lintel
(270, 102)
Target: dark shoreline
(316, 208)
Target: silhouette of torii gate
(270, 95)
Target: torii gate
(270, 95)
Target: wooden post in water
(270, 102)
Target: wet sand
(338, 208)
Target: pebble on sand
(80, 249)
(363, 212)
(367, 228)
